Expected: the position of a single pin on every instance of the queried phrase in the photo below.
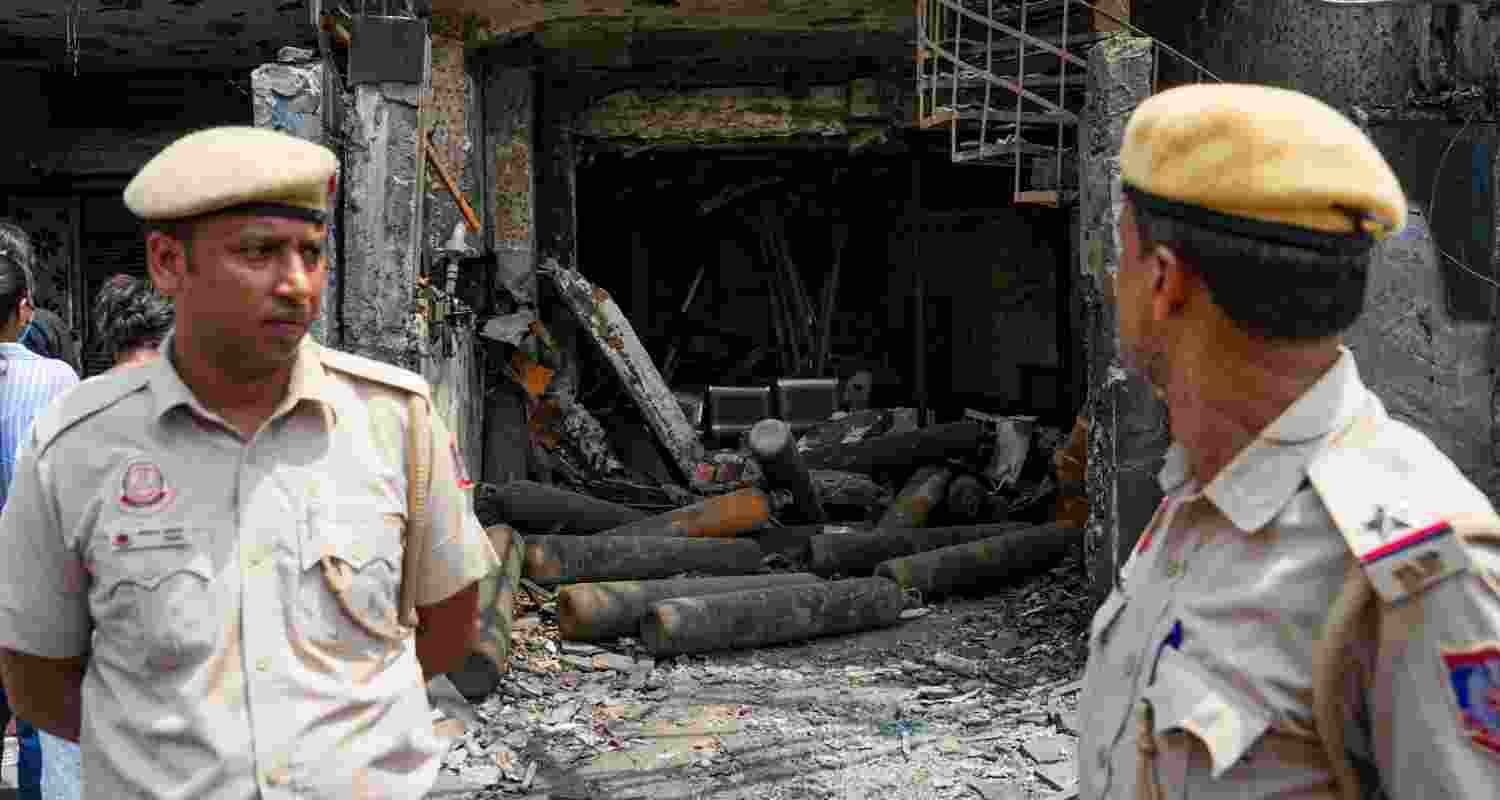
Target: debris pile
(777, 536)
(886, 511)
(976, 698)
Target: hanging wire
(1432, 206)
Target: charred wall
(1423, 82)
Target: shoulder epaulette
(1397, 501)
(375, 371)
(85, 400)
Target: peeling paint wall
(382, 213)
(510, 136)
(862, 111)
(719, 114)
(455, 380)
(479, 21)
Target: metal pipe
(989, 66)
(1062, 88)
(1021, 78)
(953, 126)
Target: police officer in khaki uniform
(204, 554)
(1313, 612)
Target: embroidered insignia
(143, 487)
(1474, 674)
(460, 472)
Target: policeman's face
(246, 288)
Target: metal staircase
(1007, 79)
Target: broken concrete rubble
(860, 715)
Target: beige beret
(253, 170)
(1287, 163)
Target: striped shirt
(28, 384)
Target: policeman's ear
(1172, 281)
(168, 259)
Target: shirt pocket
(350, 582)
(154, 599)
(1195, 712)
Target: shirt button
(1132, 664)
(263, 664)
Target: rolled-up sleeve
(43, 582)
(459, 552)
(1436, 698)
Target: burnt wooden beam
(601, 319)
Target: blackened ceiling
(130, 35)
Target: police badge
(143, 488)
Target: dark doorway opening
(693, 245)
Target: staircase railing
(964, 51)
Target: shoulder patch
(85, 400)
(1474, 677)
(1403, 535)
(375, 371)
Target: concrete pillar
(382, 214)
(510, 140)
(509, 143)
(451, 115)
(292, 95)
(1129, 431)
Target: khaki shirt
(1217, 615)
(186, 563)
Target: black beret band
(276, 210)
(1355, 242)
